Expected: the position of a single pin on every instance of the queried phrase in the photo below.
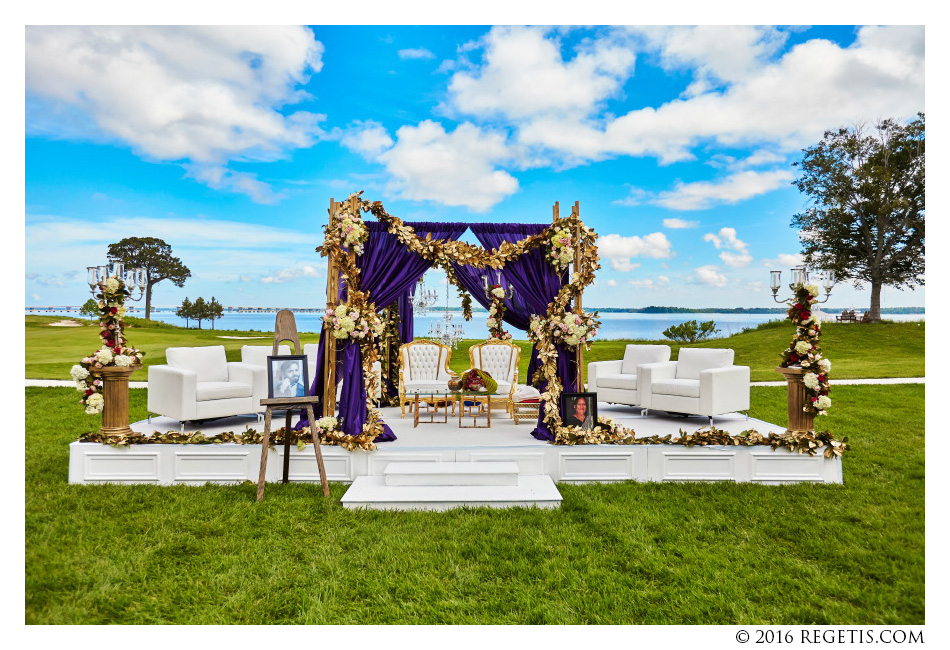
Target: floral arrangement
(805, 350)
(475, 379)
(115, 351)
(571, 329)
(496, 313)
(560, 250)
(349, 322)
(351, 231)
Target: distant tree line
(200, 310)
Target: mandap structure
(374, 267)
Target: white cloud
(636, 197)
(739, 98)
(619, 249)
(218, 177)
(415, 53)
(701, 195)
(292, 273)
(710, 276)
(612, 283)
(659, 282)
(35, 296)
(524, 75)
(200, 94)
(735, 252)
(675, 223)
(368, 139)
(457, 168)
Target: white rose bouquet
(560, 251)
(346, 322)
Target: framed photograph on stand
(287, 376)
(579, 410)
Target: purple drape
(538, 283)
(387, 270)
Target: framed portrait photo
(287, 376)
(579, 410)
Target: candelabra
(135, 279)
(487, 288)
(800, 277)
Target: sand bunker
(65, 323)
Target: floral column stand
(799, 420)
(103, 376)
(115, 391)
(803, 365)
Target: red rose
(114, 310)
(88, 392)
(821, 377)
(814, 399)
(793, 357)
(806, 314)
(117, 350)
(109, 343)
(798, 305)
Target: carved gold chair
(500, 360)
(423, 365)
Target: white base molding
(173, 464)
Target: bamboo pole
(329, 350)
(578, 304)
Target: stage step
(450, 473)
(372, 493)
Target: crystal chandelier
(423, 299)
(445, 331)
(487, 288)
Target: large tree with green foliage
(155, 256)
(865, 218)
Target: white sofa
(702, 381)
(618, 382)
(199, 383)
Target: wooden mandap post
(329, 350)
(579, 303)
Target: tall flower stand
(798, 420)
(115, 392)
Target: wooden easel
(285, 329)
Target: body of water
(615, 325)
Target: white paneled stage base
(505, 442)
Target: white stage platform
(505, 442)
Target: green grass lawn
(886, 349)
(624, 553)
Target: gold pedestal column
(115, 392)
(798, 420)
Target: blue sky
(228, 143)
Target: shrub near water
(690, 331)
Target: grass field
(624, 553)
(886, 349)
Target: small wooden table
(288, 404)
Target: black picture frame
(568, 403)
(278, 368)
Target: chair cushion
(420, 385)
(681, 387)
(504, 387)
(628, 382)
(636, 355)
(692, 361)
(525, 393)
(209, 362)
(209, 390)
(257, 354)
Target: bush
(690, 331)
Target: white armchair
(618, 382)
(703, 381)
(423, 365)
(199, 383)
(500, 360)
(256, 355)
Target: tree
(90, 308)
(186, 311)
(866, 218)
(215, 310)
(155, 256)
(199, 310)
(690, 331)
